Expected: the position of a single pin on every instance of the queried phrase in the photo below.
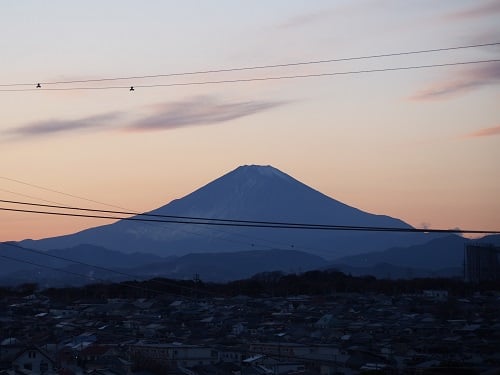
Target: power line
(163, 216)
(214, 220)
(255, 79)
(257, 67)
(257, 225)
(153, 215)
(159, 282)
(28, 196)
(59, 192)
(80, 274)
(122, 208)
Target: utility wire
(82, 275)
(270, 223)
(60, 192)
(164, 216)
(257, 225)
(255, 79)
(257, 67)
(122, 208)
(159, 282)
(28, 196)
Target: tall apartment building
(481, 263)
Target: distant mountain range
(260, 193)
(98, 264)
(439, 258)
(42, 266)
(435, 254)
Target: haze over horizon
(420, 145)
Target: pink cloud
(195, 111)
(466, 80)
(328, 14)
(480, 10)
(202, 110)
(308, 18)
(485, 132)
(49, 127)
(484, 37)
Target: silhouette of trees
(277, 284)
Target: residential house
(35, 360)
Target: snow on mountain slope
(251, 192)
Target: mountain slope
(29, 260)
(219, 267)
(436, 254)
(248, 193)
(232, 266)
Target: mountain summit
(251, 192)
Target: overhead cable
(81, 275)
(254, 79)
(59, 192)
(110, 270)
(122, 208)
(256, 67)
(258, 225)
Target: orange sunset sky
(422, 145)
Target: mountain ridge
(440, 257)
(249, 192)
(433, 255)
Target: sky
(422, 145)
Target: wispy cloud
(478, 10)
(197, 111)
(485, 132)
(486, 36)
(466, 80)
(328, 13)
(308, 18)
(48, 127)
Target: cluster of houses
(338, 334)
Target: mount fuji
(256, 193)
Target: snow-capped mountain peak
(250, 192)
